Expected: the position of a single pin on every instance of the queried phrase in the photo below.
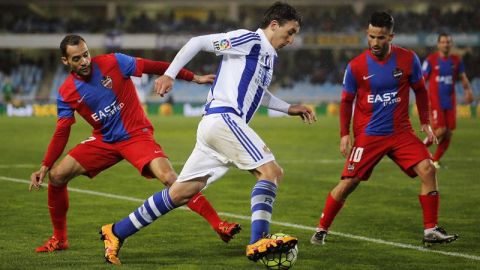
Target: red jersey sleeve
(58, 142)
(159, 68)
(346, 105)
(421, 97)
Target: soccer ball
(280, 260)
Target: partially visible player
(100, 90)
(223, 136)
(442, 70)
(379, 81)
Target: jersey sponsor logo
(367, 77)
(107, 82)
(397, 73)
(108, 111)
(221, 45)
(448, 79)
(385, 98)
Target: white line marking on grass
(296, 226)
(286, 161)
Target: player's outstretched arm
(203, 79)
(36, 179)
(304, 112)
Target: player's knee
(57, 178)
(180, 194)
(426, 169)
(274, 172)
(441, 132)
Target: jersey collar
(265, 41)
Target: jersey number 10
(356, 154)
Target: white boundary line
(286, 161)
(296, 226)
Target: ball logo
(221, 45)
(107, 82)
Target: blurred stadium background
(380, 227)
(311, 71)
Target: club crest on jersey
(107, 82)
(397, 73)
(221, 45)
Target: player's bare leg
(67, 169)
(444, 136)
(430, 201)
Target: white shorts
(224, 140)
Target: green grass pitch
(384, 211)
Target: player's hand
(37, 178)
(163, 85)
(468, 97)
(304, 112)
(203, 79)
(345, 145)
(430, 135)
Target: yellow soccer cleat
(112, 244)
(266, 245)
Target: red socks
(430, 204)
(441, 148)
(332, 207)
(58, 207)
(200, 205)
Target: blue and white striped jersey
(244, 74)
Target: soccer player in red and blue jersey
(100, 90)
(379, 81)
(442, 70)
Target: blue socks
(262, 198)
(157, 205)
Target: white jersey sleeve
(238, 42)
(272, 102)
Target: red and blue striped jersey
(381, 89)
(107, 100)
(442, 73)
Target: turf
(386, 207)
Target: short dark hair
(69, 40)
(443, 34)
(282, 13)
(382, 19)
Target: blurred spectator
(7, 90)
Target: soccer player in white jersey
(223, 136)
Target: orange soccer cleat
(112, 244)
(227, 231)
(267, 245)
(52, 244)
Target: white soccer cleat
(438, 235)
